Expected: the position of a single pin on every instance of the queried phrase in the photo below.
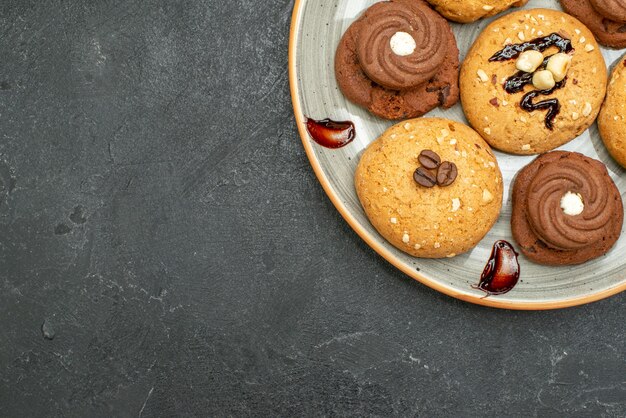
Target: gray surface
(208, 274)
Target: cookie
(611, 123)
(431, 187)
(399, 60)
(471, 10)
(611, 9)
(523, 102)
(566, 209)
(605, 18)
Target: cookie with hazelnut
(532, 81)
(431, 187)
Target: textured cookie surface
(611, 121)
(548, 227)
(441, 89)
(471, 10)
(599, 19)
(430, 222)
(497, 115)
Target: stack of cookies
(532, 81)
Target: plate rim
(381, 250)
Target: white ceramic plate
(316, 29)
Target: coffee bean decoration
(429, 159)
(424, 178)
(446, 174)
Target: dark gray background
(158, 214)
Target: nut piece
(402, 44)
(572, 204)
(529, 61)
(558, 65)
(543, 80)
(456, 204)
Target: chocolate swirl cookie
(605, 18)
(611, 9)
(401, 45)
(399, 60)
(566, 209)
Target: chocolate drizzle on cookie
(538, 44)
(520, 79)
(553, 105)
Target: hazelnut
(529, 61)
(558, 65)
(543, 80)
